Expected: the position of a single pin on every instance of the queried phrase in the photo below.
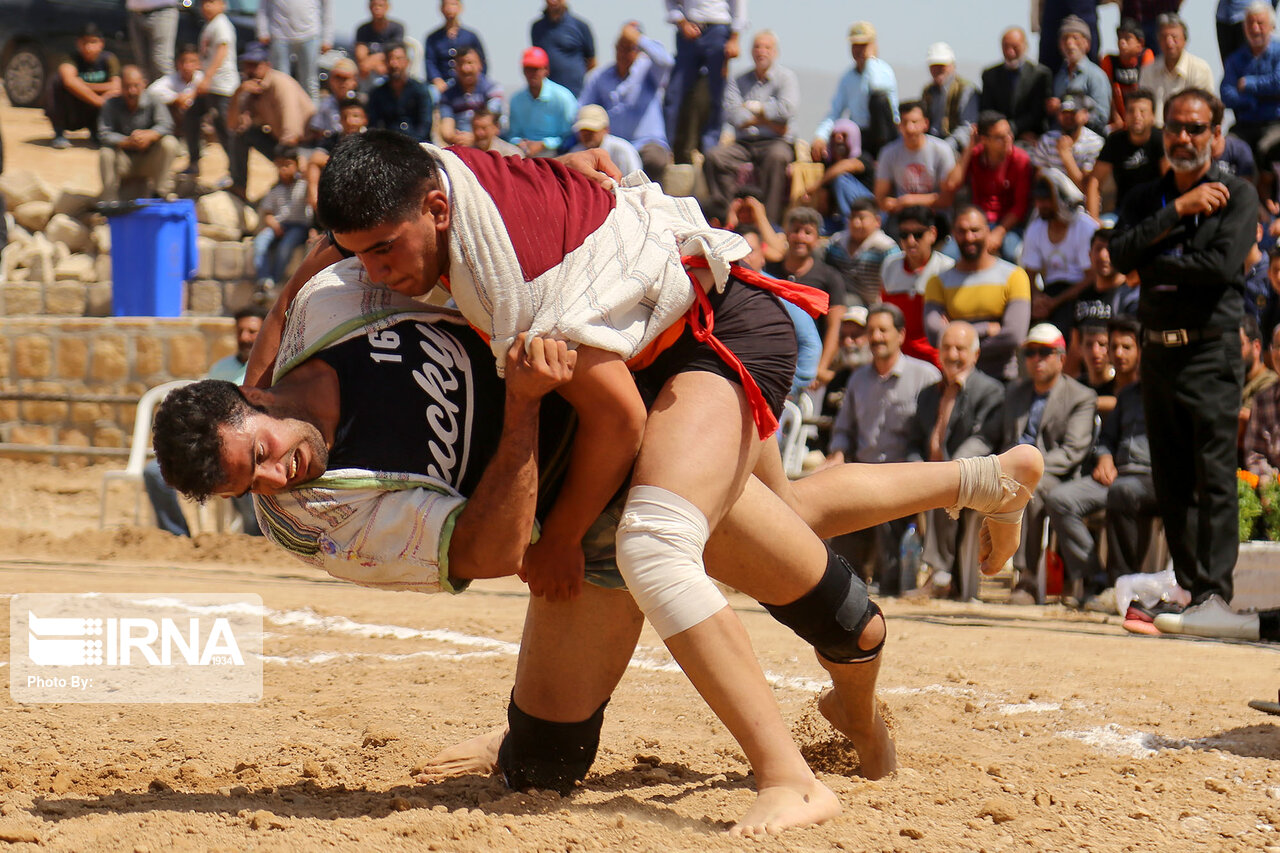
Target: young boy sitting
(286, 220)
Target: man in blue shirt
(1251, 87)
(541, 117)
(443, 48)
(1230, 21)
(631, 93)
(570, 47)
(867, 90)
(401, 103)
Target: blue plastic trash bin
(153, 251)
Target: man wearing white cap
(862, 95)
(950, 101)
(592, 130)
(759, 104)
(1054, 413)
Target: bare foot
(877, 755)
(783, 807)
(477, 755)
(998, 540)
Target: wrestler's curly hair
(374, 178)
(185, 435)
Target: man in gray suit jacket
(956, 417)
(1055, 413)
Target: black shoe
(1140, 619)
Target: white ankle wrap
(984, 487)
(660, 541)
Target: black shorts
(754, 326)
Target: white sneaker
(1210, 618)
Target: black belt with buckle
(1181, 337)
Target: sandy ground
(1017, 728)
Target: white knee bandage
(660, 541)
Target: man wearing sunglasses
(1053, 412)
(1186, 237)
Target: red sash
(702, 322)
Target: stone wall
(58, 261)
(55, 355)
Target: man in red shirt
(998, 175)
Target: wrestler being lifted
(684, 359)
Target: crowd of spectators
(963, 233)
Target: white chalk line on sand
(1110, 738)
(644, 659)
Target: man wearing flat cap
(867, 94)
(592, 131)
(950, 101)
(268, 110)
(1079, 74)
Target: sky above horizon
(812, 43)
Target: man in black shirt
(1186, 237)
(401, 103)
(1131, 156)
(372, 39)
(803, 225)
(80, 86)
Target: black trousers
(1191, 396)
(67, 112)
(875, 553)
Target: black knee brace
(832, 616)
(542, 754)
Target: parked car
(34, 34)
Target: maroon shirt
(1003, 190)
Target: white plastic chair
(139, 448)
(790, 436)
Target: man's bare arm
(262, 359)
(494, 529)
(611, 417)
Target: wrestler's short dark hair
(1206, 97)
(372, 179)
(186, 439)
